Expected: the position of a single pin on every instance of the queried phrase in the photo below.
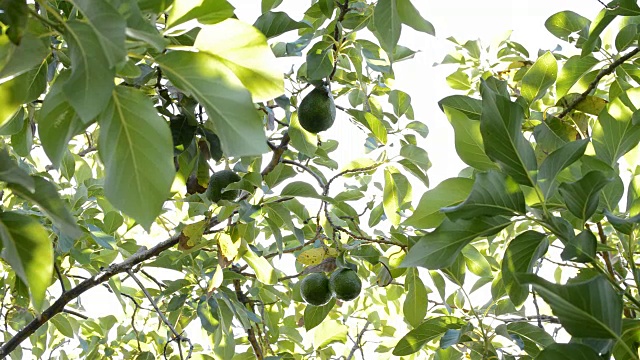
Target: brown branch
(75, 313)
(344, 8)
(59, 274)
(604, 72)
(66, 297)
(307, 169)
(277, 154)
(251, 335)
(357, 344)
(605, 254)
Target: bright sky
(463, 19)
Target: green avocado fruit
(218, 181)
(317, 111)
(345, 284)
(314, 289)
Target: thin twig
(358, 341)
(59, 274)
(604, 72)
(75, 313)
(257, 349)
(179, 338)
(277, 154)
(307, 169)
(344, 8)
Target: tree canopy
(153, 148)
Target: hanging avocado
(317, 111)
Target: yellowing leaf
(316, 255)
(590, 104)
(228, 248)
(191, 235)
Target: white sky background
(462, 19)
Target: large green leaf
(206, 11)
(244, 50)
(492, 194)
(555, 162)
(449, 192)
(328, 332)
(207, 311)
(415, 304)
(17, 60)
(29, 251)
(540, 76)
(47, 198)
(392, 197)
(410, 16)
(568, 352)
(520, 257)
(108, 25)
(58, 122)
(387, 24)
(582, 196)
(504, 143)
(314, 315)
(428, 331)
(470, 107)
(615, 133)
(227, 102)
(302, 140)
(580, 248)
(589, 309)
(532, 336)
(19, 90)
(265, 273)
(320, 60)
(441, 247)
(572, 71)
(89, 87)
(11, 173)
(15, 15)
(602, 20)
(274, 23)
(564, 24)
(136, 148)
(468, 140)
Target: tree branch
(358, 341)
(251, 335)
(604, 72)
(344, 8)
(66, 297)
(307, 169)
(277, 154)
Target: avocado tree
(157, 150)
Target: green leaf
(63, 325)
(11, 173)
(314, 315)
(136, 148)
(387, 24)
(47, 198)
(468, 140)
(401, 102)
(459, 81)
(302, 189)
(589, 104)
(625, 226)
(581, 248)
(449, 192)
(265, 273)
(58, 122)
(415, 304)
(89, 87)
(589, 309)
(244, 50)
(327, 7)
(206, 11)
(329, 332)
(441, 247)
(15, 92)
(108, 25)
(532, 336)
(17, 60)
(391, 198)
(275, 23)
(29, 251)
(556, 162)
(602, 20)
(417, 155)
(615, 134)
(411, 17)
(630, 338)
(520, 257)
(566, 23)
(428, 331)
(470, 107)
(15, 14)
(540, 76)
(504, 143)
(573, 70)
(568, 352)
(492, 194)
(376, 126)
(582, 196)
(626, 37)
(208, 313)
(302, 140)
(320, 60)
(227, 102)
